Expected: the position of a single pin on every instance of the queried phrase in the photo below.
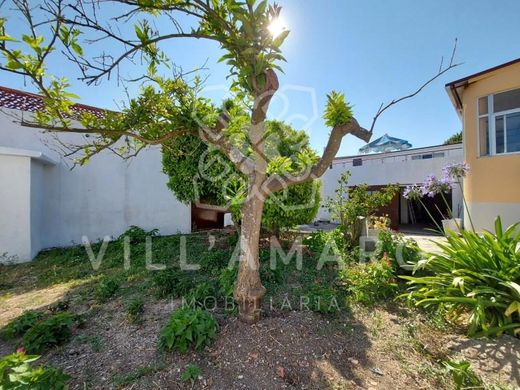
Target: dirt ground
(364, 349)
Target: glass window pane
(513, 132)
(499, 134)
(483, 105)
(506, 100)
(484, 136)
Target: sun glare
(277, 26)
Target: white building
(44, 204)
(404, 167)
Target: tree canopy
(199, 172)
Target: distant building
(488, 104)
(403, 167)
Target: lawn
(352, 339)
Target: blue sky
(371, 50)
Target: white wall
(390, 168)
(15, 208)
(102, 198)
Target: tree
(454, 139)
(200, 173)
(168, 107)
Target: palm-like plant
(477, 273)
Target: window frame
(491, 117)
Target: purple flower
(412, 192)
(433, 186)
(456, 171)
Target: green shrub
(478, 273)
(135, 310)
(16, 372)
(53, 331)
(371, 282)
(188, 328)
(173, 283)
(22, 324)
(191, 373)
(463, 375)
(138, 235)
(106, 288)
(396, 245)
(317, 241)
(201, 294)
(322, 299)
(227, 280)
(214, 260)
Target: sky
(372, 50)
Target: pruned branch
(442, 70)
(276, 183)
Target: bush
(371, 282)
(191, 373)
(396, 245)
(54, 331)
(22, 324)
(227, 280)
(188, 328)
(138, 235)
(173, 283)
(135, 310)
(317, 241)
(463, 375)
(478, 273)
(199, 294)
(106, 288)
(322, 299)
(16, 373)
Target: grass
(132, 377)
(66, 275)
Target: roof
(453, 87)
(26, 101)
(385, 143)
(421, 149)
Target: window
(357, 162)
(499, 123)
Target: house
(43, 203)
(488, 104)
(403, 166)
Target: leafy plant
(401, 250)
(201, 294)
(22, 324)
(317, 241)
(463, 375)
(138, 235)
(188, 328)
(371, 282)
(53, 331)
(173, 283)
(478, 273)
(322, 299)
(106, 288)
(226, 281)
(16, 372)
(135, 310)
(191, 373)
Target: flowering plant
(452, 174)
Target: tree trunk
(249, 291)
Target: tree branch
(276, 183)
(441, 71)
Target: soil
(364, 349)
